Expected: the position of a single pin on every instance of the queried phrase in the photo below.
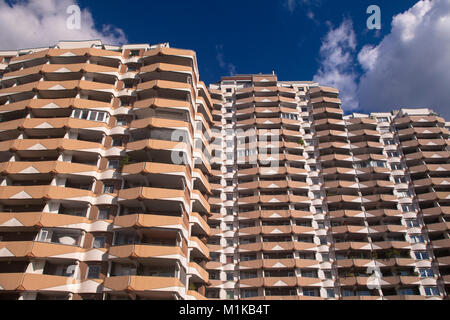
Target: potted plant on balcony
(301, 142)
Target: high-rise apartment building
(125, 177)
(103, 193)
(310, 204)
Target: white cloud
(337, 61)
(39, 23)
(410, 66)
(229, 67)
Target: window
(412, 223)
(229, 259)
(108, 188)
(406, 292)
(319, 210)
(421, 255)
(229, 197)
(317, 195)
(229, 90)
(310, 292)
(382, 119)
(426, 273)
(103, 214)
(417, 239)
(113, 164)
(321, 225)
(309, 274)
(400, 180)
(313, 168)
(404, 194)
(396, 166)
(230, 294)
(393, 154)
(93, 272)
(348, 293)
(230, 243)
(327, 274)
(117, 142)
(389, 142)
(90, 115)
(43, 236)
(249, 293)
(229, 169)
(121, 122)
(134, 53)
(330, 293)
(229, 212)
(230, 276)
(99, 242)
(215, 256)
(212, 293)
(229, 226)
(323, 240)
(431, 291)
(229, 183)
(407, 208)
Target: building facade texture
(124, 177)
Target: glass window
(108, 188)
(103, 214)
(330, 293)
(417, 239)
(431, 291)
(426, 273)
(99, 242)
(113, 164)
(421, 255)
(93, 272)
(93, 116)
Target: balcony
(144, 284)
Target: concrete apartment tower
(311, 204)
(125, 177)
(93, 203)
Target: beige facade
(92, 204)
(309, 204)
(125, 177)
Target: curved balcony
(20, 193)
(278, 263)
(149, 221)
(51, 144)
(41, 282)
(251, 283)
(144, 284)
(40, 250)
(280, 282)
(142, 251)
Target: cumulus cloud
(337, 60)
(39, 23)
(229, 67)
(410, 66)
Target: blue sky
(405, 64)
(253, 36)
